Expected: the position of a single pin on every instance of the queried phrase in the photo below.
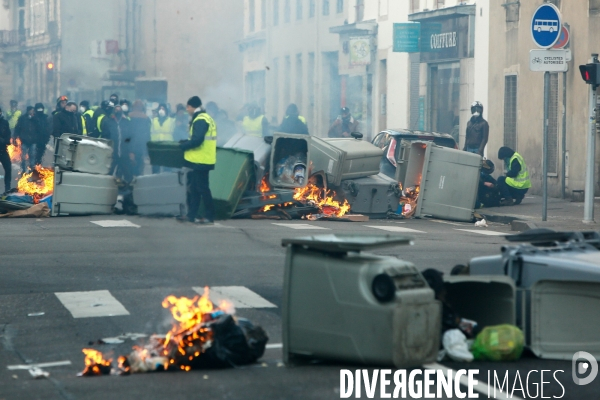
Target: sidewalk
(562, 215)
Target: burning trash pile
(38, 184)
(408, 201)
(324, 200)
(14, 151)
(202, 336)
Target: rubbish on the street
(558, 275)
(299, 173)
(481, 224)
(455, 344)
(95, 364)
(287, 150)
(344, 158)
(355, 218)
(324, 200)
(285, 170)
(409, 200)
(252, 200)
(38, 183)
(366, 308)
(374, 196)
(38, 373)
(202, 336)
(37, 211)
(36, 314)
(261, 151)
(499, 343)
(165, 154)
(20, 198)
(447, 178)
(77, 193)
(83, 154)
(160, 194)
(120, 339)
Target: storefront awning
(444, 13)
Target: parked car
(389, 141)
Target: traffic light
(50, 71)
(590, 73)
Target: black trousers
(6, 164)
(198, 190)
(123, 166)
(509, 191)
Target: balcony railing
(11, 38)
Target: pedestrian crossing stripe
(239, 296)
(301, 226)
(400, 229)
(482, 232)
(99, 303)
(111, 223)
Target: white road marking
(301, 226)
(123, 223)
(394, 229)
(99, 303)
(42, 365)
(483, 232)
(274, 346)
(239, 296)
(480, 387)
(447, 223)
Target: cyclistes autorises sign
(549, 60)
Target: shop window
(512, 8)
(444, 94)
(595, 7)
(299, 9)
(287, 11)
(251, 13)
(414, 6)
(553, 125)
(275, 12)
(510, 111)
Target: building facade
(516, 110)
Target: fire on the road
(95, 363)
(324, 200)
(38, 183)
(14, 151)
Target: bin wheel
(383, 288)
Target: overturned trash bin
(341, 304)
(447, 179)
(374, 196)
(165, 154)
(76, 193)
(260, 149)
(160, 194)
(289, 160)
(83, 154)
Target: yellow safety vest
(300, 117)
(253, 127)
(162, 132)
(99, 124)
(207, 152)
(83, 125)
(13, 118)
(89, 113)
(522, 180)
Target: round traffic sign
(546, 25)
(563, 40)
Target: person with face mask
(88, 114)
(163, 128)
(123, 158)
(255, 123)
(125, 105)
(44, 131)
(26, 131)
(478, 131)
(344, 125)
(67, 121)
(5, 137)
(13, 115)
(105, 127)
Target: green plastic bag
(499, 343)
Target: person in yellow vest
(516, 183)
(293, 122)
(13, 115)
(255, 123)
(200, 157)
(163, 127)
(88, 115)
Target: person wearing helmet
(488, 194)
(61, 103)
(478, 130)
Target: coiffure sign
(443, 40)
(447, 39)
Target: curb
(522, 226)
(501, 219)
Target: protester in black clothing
(61, 103)
(293, 122)
(488, 194)
(122, 156)
(67, 121)
(5, 137)
(200, 157)
(44, 131)
(140, 126)
(26, 131)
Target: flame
(40, 187)
(325, 201)
(267, 208)
(264, 185)
(95, 364)
(14, 151)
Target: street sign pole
(563, 182)
(588, 208)
(545, 155)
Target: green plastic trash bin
(165, 154)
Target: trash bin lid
(342, 243)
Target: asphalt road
(140, 265)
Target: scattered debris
(37, 211)
(36, 314)
(481, 224)
(38, 373)
(95, 364)
(408, 201)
